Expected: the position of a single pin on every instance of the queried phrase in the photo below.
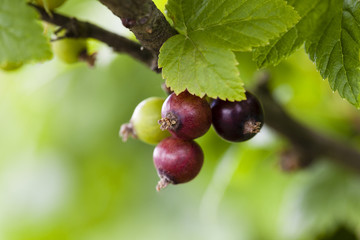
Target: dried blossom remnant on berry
(126, 131)
(251, 127)
(169, 122)
(163, 183)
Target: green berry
(143, 124)
(69, 50)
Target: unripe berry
(177, 161)
(186, 116)
(237, 121)
(143, 123)
(71, 50)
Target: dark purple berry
(237, 121)
(186, 116)
(177, 161)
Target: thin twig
(152, 30)
(80, 29)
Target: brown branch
(311, 143)
(79, 29)
(152, 30)
(144, 19)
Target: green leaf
(200, 69)
(21, 36)
(310, 11)
(335, 48)
(234, 24)
(210, 29)
(331, 31)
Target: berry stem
(88, 58)
(166, 89)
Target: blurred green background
(65, 173)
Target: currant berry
(50, 4)
(237, 121)
(71, 50)
(177, 161)
(143, 123)
(186, 116)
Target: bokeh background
(65, 173)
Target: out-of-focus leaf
(21, 36)
(331, 32)
(326, 196)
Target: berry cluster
(184, 117)
(178, 159)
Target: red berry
(186, 116)
(237, 121)
(177, 161)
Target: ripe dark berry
(177, 161)
(186, 116)
(237, 121)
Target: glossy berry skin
(177, 161)
(186, 116)
(144, 122)
(237, 121)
